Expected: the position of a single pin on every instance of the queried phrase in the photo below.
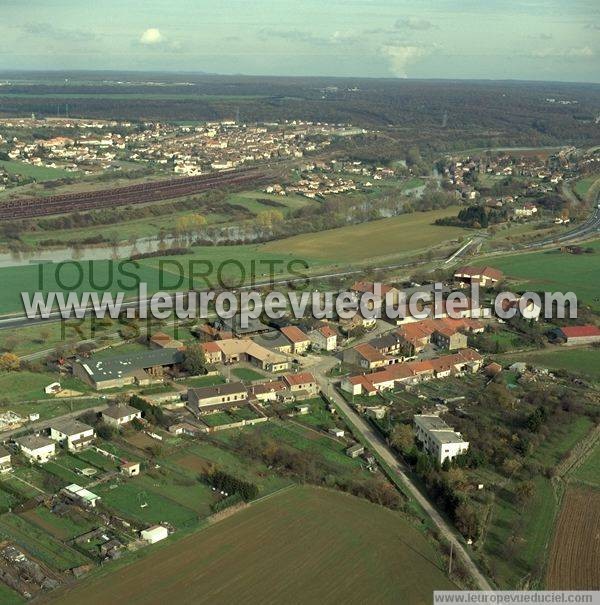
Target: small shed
(130, 469)
(355, 451)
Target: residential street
(378, 445)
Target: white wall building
(73, 434)
(439, 440)
(118, 415)
(154, 534)
(36, 447)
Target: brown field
(304, 545)
(193, 463)
(574, 561)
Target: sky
(555, 40)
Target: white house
(324, 338)
(438, 439)
(118, 415)
(37, 447)
(5, 463)
(336, 432)
(73, 434)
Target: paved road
(378, 445)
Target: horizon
(540, 40)
(162, 72)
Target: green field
(580, 361)
(61, 527)
(123, 232)
(18, 387)
(323, 545)
(556, 272)
(239, 264)
(39, 173)
(385, 237)
(589, 471)
(584, 185)
(10, 597)
(129, 498)
(247, 374)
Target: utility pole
(450, 561)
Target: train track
(124, 196)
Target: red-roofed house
(304, 381)
(580, 335)
(366, 356)
(413, 372)
(212, 352)
(300, 341)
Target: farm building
(483, 276)
(274, 341)
(242, 349)
(141, 368)
(221, 394)
(37, 447)
(118, 415)
(438, 439)
(234, 325)
(154, 534)
(73, 434)
(580, 335)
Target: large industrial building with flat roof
(141, 368)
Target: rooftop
(229, 388)
(119, 411)
(294, 334)
(69, 426)
(34, 442)
(580, 331)
(122, 365)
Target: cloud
(152, 36)
(413, 23)
(303, 37)
(49, 31)
(400, 57)
(593, 26)
(582, 52)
